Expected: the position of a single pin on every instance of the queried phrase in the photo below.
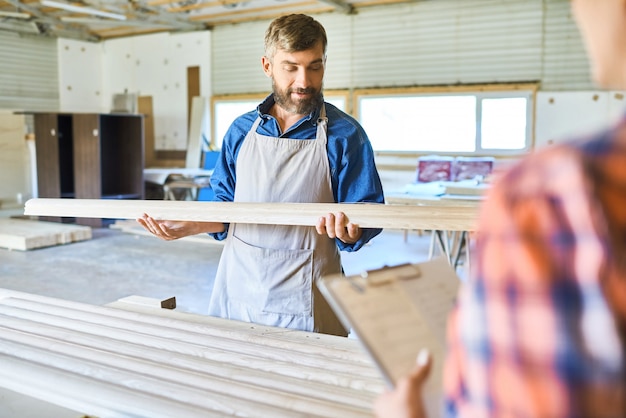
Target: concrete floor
(116, 264)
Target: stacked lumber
(26, 234)
(149, 362)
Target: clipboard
(395, 312)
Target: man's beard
(299, 107)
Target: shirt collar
(263, 110)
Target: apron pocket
(270, 280)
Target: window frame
(485, 91)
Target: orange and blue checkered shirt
(539, 324)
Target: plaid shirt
(536, 330)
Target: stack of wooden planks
(131, 360)
(26, 234)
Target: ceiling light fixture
(17, 15)
(81, 9)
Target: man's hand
(171, 230)
(337, 225)
(405, 400)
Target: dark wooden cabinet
(89, 156)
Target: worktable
(127, 359)
(187, 179)
(453, 237)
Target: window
(225, 112)
(482, 122)
(227, 108)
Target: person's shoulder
(341, 121)
(338, 116)
(247, 118)
(242, 123)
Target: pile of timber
(131, 360)
(25, 234)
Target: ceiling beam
(48, 25)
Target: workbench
(453, 238)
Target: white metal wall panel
(448, 42)
(339, 67)
(566, 66)
(28, 72)
(236, 56)
(425, 43)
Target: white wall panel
(573, 114)
(119, 63)
(28, 72)
(80, 77)
(156, 65)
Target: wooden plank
(198, 112)
(23, 234)
(144, 107)
(193, 89)
(108, 361)
(451, 218)
(168, 303)
(341, 349)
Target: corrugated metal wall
(425, 43)
(565, 62)
(448, 42)
(239, 49)
(28, 72)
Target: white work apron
(267, 273)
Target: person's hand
(337, 225)
(171, 230)
(405, 400)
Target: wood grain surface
(367, 215)
(25, 234)
(142, 361)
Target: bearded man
(293, 147)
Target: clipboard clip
(387, 274)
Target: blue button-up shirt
(351, 159)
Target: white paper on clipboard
(395, 312)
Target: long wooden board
(450, 218)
